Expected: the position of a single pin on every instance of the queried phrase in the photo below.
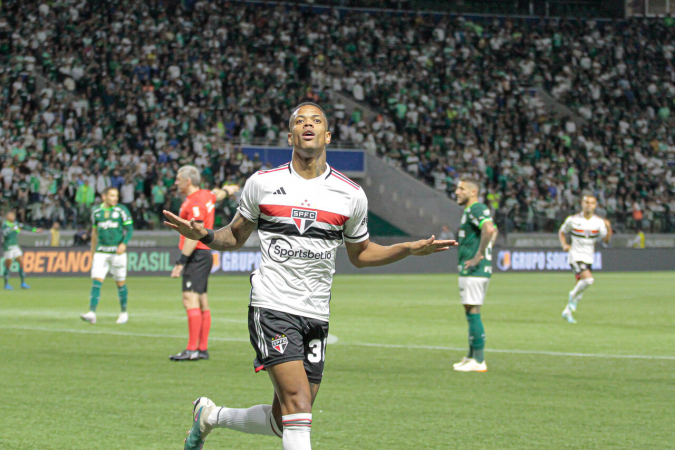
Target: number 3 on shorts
(318, 350)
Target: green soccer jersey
(10, 233)
(114, 226)
(469, 241)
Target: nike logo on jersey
(280, 191)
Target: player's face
(309, 134)
(183, 183)
(588, 205)
(111, 198)
(11, 216)
(464, 192)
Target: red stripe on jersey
(578, 231)
(346, 179)
(321, 216)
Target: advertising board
(72, 261)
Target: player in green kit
(476, 235)
(10, 245)
(112, 228)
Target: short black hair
(471, 180)
(290, 124)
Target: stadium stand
(101, 93)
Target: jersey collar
(320, 177)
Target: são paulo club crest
(279, 343)
(303, 218)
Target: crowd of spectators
(135, 89)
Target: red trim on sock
(204, 334)
(194, 327)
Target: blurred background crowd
(100, 93)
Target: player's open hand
(191, 229)
(429, 246)
(566, 247)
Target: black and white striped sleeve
(356, 228)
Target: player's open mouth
(308, 135)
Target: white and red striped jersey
(301, 223)
(584, 232)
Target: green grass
(69, 385)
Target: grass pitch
(604, 383)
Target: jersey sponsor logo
(280, 250)
(107, 224)
(303, 218)
(279, 343)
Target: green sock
(95, 295)
(122, 292)
(6, 276)
(476, 336)
(22, 275)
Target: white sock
(581, 286)
(297, 428)
(254, 420)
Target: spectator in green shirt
(159, 197)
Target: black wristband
(206, 240)
(182, 260)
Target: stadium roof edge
(429, 12)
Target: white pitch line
(68, 315)
(349, 344)
(524, 352)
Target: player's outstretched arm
(225, 191)
(231, 237)
(370, 254)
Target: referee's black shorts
(197, 270)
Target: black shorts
(579, 267)
(279, 337)
(197, 270)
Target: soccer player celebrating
(112, 228)
(12, 251)
(585, 229)
(303, 211)
(196, 260)
(477, 232)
